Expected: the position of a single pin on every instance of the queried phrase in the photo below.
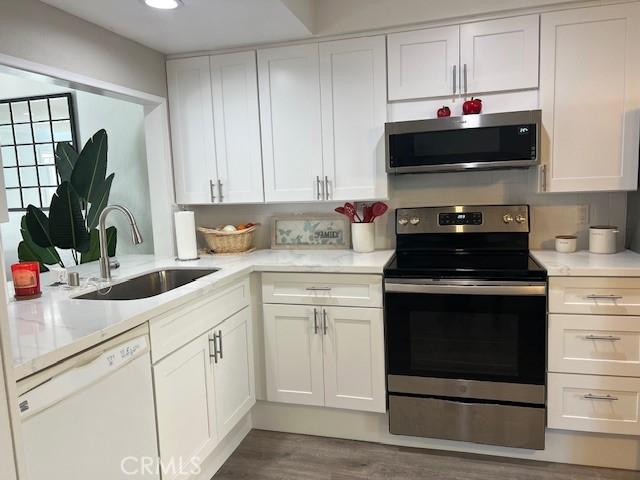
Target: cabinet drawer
(180, 326)
(322, 289)
(603, 345)
(594, 295)
(594, 403)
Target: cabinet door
(500, 54)
(289, 89)
(423, 63)
(590, 98)
(354, 358)
(293, 354)
(354, 110)
(237, 127)
(184, 403)
(192, 137)
(233, 371)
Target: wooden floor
(271, 455)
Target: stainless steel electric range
(465, 319)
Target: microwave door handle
(507, 290)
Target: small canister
(602, 239)
(566, 243)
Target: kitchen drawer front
(602, 345)
(346, 290)
(593, 403)
(594, 295)
(169, 332)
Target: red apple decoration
(444, 112)
(472, 106)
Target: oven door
(470, 331)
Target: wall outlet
(583, 215)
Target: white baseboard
(613, 451)
(224, 450)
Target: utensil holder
(363, 236)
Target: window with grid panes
(30, 128)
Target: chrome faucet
(105, 267)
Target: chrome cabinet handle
(543, 178)
(320, 187)
(315, 320)
(611, 338)
(455, 75)
(220, 190)
(605, 297)
(213, 355)
(326, 188)
(324, 321)
(220, 340)
(318, 289)
(591, 396)
(212, 191)
(465, 78)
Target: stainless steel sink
(150, 284)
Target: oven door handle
(450, 289)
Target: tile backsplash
(551, 213)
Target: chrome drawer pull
(591, 396)
(318, 289)
(611, 338)
(605, 297)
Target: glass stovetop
(486, 265)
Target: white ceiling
(198, 24)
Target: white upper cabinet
(499, 55)
(354, 111)
(459, 60)
(423, 63)
(192, 134)
(590, 98)
(237, 128)
(290, 117)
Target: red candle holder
(26, 280)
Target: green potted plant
(75, 208)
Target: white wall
(124, 123)
(37, 32)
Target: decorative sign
(310, 231)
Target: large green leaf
(66, 158)
(48, 255)
(66, 223)
(26, 254)
(94, 250)
(102, 197)
(38, 225)
(90, 169)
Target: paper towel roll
(186, 235)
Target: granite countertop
(586, 264)
(56, 326)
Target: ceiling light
(163, 4)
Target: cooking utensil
(351, 212)
(378, 209)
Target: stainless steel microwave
(485, 142)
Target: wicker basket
(229, 242)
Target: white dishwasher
(92, 416)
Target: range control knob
(414, 221)
(403, 221)
(521, 218)
(507, 218)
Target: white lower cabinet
(233, 371)
(204, 387)
(184, 405)
(325, 356)
(594, 403)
